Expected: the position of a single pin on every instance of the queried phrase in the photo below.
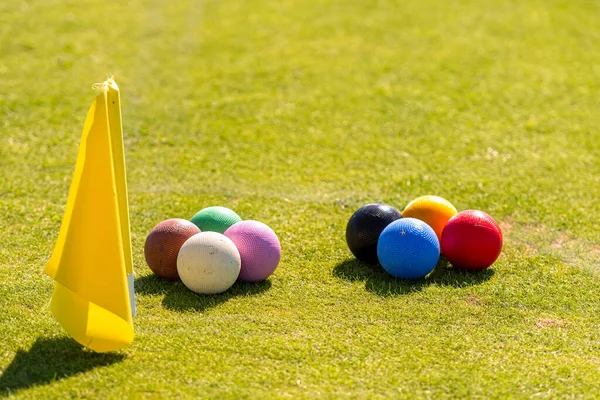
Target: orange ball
(435, 211)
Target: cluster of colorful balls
(213, 250)
(408, 245)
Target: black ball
(364, 228)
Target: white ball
(208, 263)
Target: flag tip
(109, 82)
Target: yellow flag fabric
(93, 297)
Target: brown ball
(163, 244)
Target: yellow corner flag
(91, 263)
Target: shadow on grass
(50, 360)
(380, 282)
(179, 297)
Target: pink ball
(259, 249)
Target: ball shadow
(152, 284)
(444, 274)
(376, 279)
(380, 282)
(49, 360)
(178, 297)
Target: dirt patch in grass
(544, 323)
(474, 300)
(539, 239)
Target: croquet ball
(434, 210)
(163, 244)
(259, 249)
(208, 263)
(472, 240)
(215, 219)
(364, 228)
(408, 248)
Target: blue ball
(408, 248)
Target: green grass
(296, 114)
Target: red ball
(163, 244)
(471, 240)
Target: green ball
(215, 219)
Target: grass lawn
(296, 113)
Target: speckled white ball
(208, 263)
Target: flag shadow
(179, 297)
(49, 360)
(380, 282)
